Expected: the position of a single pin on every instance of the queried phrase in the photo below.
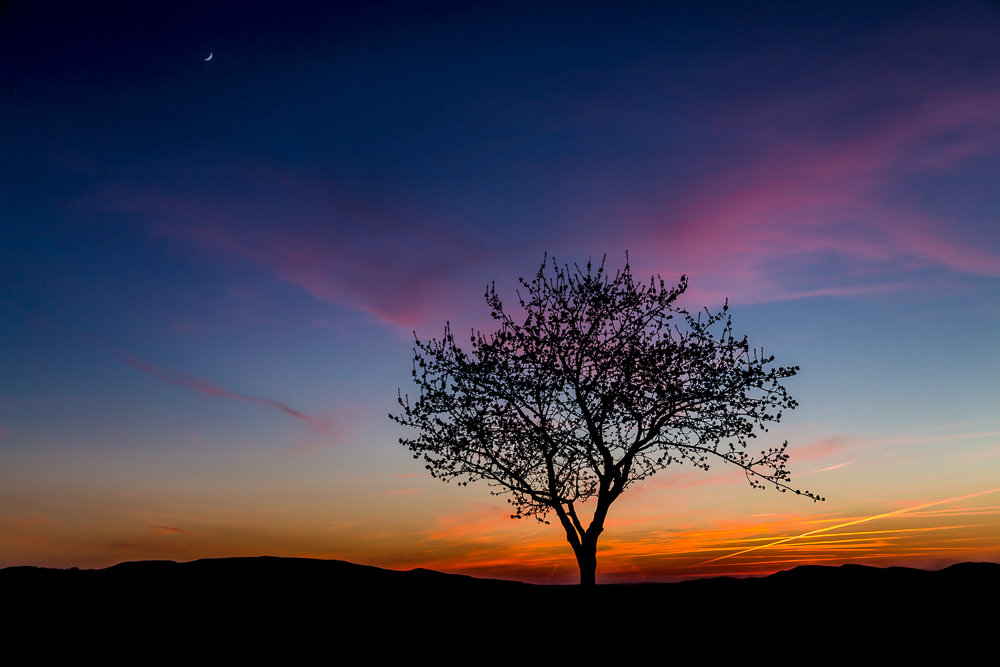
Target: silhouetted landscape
(591, 294)
(298, 594)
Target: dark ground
(308, 602)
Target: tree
(597, 389)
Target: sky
(221, 225)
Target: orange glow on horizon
(852, 523)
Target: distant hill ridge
(330, 596)
(348, 574)
(273, 569)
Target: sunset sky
(212, 269)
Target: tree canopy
(599, 383)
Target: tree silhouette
(595, 390)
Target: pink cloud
(823, 448)
(989, 453)
(761, 226)
(390, 266)
(839, 444)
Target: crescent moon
(210, 54)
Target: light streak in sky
(839, 465)
(847, 523)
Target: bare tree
(596, 389)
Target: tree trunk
(586, 558)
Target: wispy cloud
(194, 382)
(190, 381)
(197, 383)
(395, 265)
(838, 444)
(166, 530)
(803, 217)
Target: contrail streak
(847, 523)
